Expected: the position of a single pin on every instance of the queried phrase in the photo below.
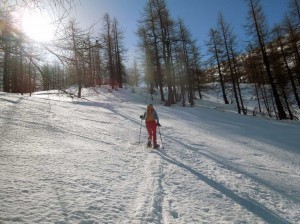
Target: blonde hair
(150, 106)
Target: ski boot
(156, 146)
(149, 145)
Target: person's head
(150, 107)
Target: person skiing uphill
(151, 119)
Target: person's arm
(143, 116)
(157, 118)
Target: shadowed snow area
(68, 160)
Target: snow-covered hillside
(65, 160)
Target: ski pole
(161, 138)
(140, 132)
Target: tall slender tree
(293, 37)
(185, 39)
(108, 45)
(259, 29)
(227, 44)
(280, 39)
(165, 25)
(119, 51)
(214, 49)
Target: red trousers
(151, 128)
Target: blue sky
(198, 15)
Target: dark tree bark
(257, 22)
(214, 49)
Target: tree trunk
(281, 112)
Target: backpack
(150, 113)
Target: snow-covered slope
(65, 160)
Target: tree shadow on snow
(221, 160)
(251, 205)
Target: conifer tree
(259, 29)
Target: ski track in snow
(66, 160)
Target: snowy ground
(66, 160)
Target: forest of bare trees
(81, 58)
(270, 62)
(171, 56)
(170, 61)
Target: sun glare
(38, 26)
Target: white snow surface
(66, 160)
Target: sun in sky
(37, 25)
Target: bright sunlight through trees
(37, 26)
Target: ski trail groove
(149, 196)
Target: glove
(158, 124)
